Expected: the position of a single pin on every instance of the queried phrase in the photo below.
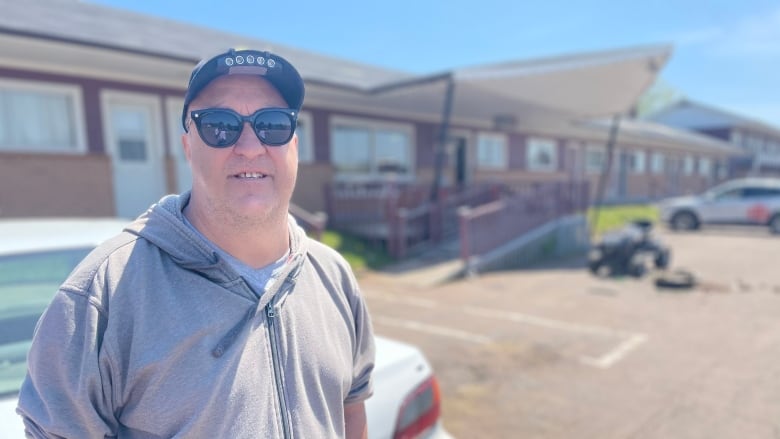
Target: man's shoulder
(325, 254)
(114, 252)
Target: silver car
(37, 255)
(749, 201)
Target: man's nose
(248, 143)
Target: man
(212, 315)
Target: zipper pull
(270, 311)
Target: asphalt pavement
(551, 351)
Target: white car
(37, 255)
(754, 201)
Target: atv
(628, 251)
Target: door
(133, 140)
(460, 162)
(728, 206)
(458, 151)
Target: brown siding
(516, 152)
(94, 119)
(427, 138)
(321, 135)
(310, 186)
(55, 185)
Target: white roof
(695, 115)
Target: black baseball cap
(275, 69)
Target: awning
(579, 86)
(586, 85)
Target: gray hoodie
(155, 336)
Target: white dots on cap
(250, 59)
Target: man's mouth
(251, 175)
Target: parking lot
(553, 352)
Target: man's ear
(185, 143)
(295, 141)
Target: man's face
(249, 182)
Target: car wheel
(774, 224)
(684, 221)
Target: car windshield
(28, 282)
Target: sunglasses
(221, 127)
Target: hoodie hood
(163, 225)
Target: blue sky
(726, 53)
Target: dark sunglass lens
(274, 127)
(219, 128)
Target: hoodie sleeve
(67, 391)
(364, 350)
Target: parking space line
(432, 329)
(542, 321)
(621, 350)
(629, 340)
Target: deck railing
(482, 216)
(520, 210)
(400, 216)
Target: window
(595, 159)
(722, 170)
(688, 165)
(130, 128)
(736, 138)
(658, 163)
(40, 118)
(760, 192)
(754, 144)
(541, 154)
(305, 132)
(705, 166)
(363, 148)
(637, 162)
(491, 151)
(732, 194)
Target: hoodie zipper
(271, 313)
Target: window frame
(308, 134)
(75, 93)
(658, 163)
(591, 149)
(705, 166)
(638, 161)
(503, 160)
(373, 125)
(689, 165)
(534, 142)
